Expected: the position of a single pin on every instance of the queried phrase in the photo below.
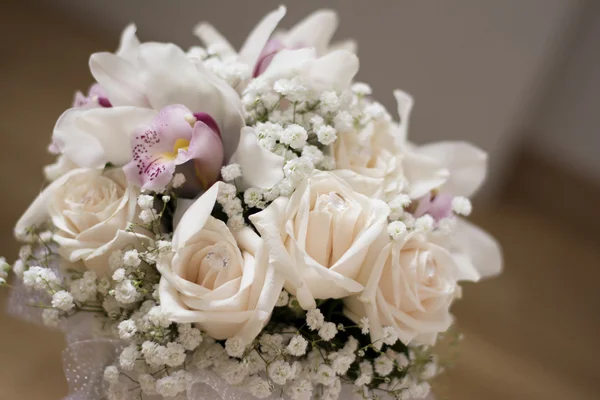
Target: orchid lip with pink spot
(96, 94)
(174, 137)
(439, 206)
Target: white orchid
(139, 83)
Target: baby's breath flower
(313, 154)
(127, 329)
(298, 169)
(148, 216)
(159, 317)
(178, 180)
(235, 347)
(384, 365)
(236, 222)
(364, 326)
(111, 374)
(396, 230)
(424, 223)
(126, 293)
(361, 89)
(279, 372)
(231, 172)
(50, 316)
(147, 384)
(63, 300)
(326, 134)
(115, 260)
(462, 206)
(390, 337)
(145, 201)
(283, 299)
(119, 275)
(328, 331)
(253, 198)
(314, 319)
(297, 346)
(132, 258)
(294, 135)
(128, 357)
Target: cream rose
(221, 282)
(409, 285)
(90, 210)
(320, 236)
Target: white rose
(320, 236)
(223, 284)
(90, 210)
(410, 285)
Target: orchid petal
(423, 173)
(120, 79)
(476, 250)
(466, 163)
(258, 38)
(93, 137)
(212, 37)
(129, 44)
(260, 167)
(336, 69)
(315, 31)
(405, 105)
(172, 78)
(206, 149)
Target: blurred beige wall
(475, 67)
(567, 125)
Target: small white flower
(119, 275)
(429, 371)
(145, 201)
(376, 111)
(397, 206)
(384, 365)
(294, 89)
(235, 347)
(253, 198)
(300, 389)
(328, 163)
(314, 319)
(159, 317)
(326, 134)
(231, 172)
(128, 357)
(147, 384)
(259, 387)
(18, 268)
(313, 154)
(111, 306)
(424, 223)
(50, 316)
(361, 89)
(62, 300)
(390, 337)
(298, 169)
(127, 329)
(104, 285)
(178, 180)
(396, 230)
(46, 236)
(420, 390)
(25, 252)
(294, 135)
(115, 260)
(153, 353)
(283, 299)
(279, 372)
(174, 354)
(233, 206)
(236, 222)
(325, 375)
(343, 121)
(166, 198)
(341, 364)
(328, 331)
(126, 293)
(364, 325)
(297, 346)
(132, 258)
(402, 360)
(169, 386)
(148, 216)
(111, 374)
(2, 281)
(330, 101)
(462, 206)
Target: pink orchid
(174, 137)
(96, 97)
(439, 205)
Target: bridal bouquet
(247, 224)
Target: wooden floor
(531, 334)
